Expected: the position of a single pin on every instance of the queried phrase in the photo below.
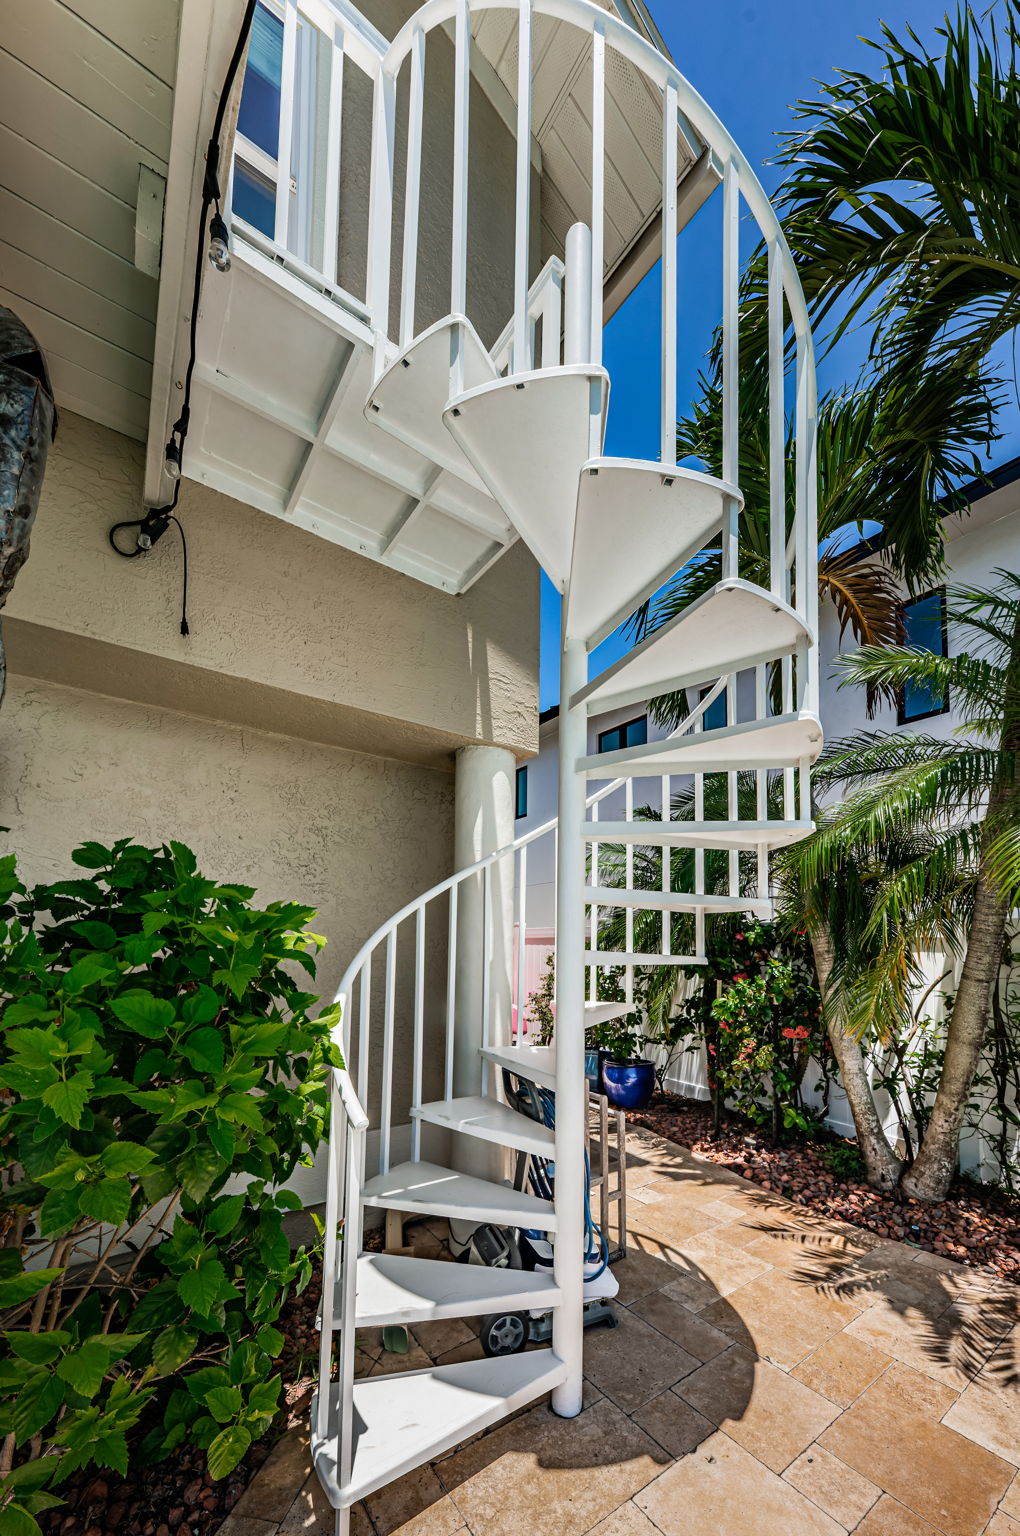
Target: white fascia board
(208, 32)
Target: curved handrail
(645, 57)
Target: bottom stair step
(401, 1421)
(394, 1289)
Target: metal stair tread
(396, 1289)
(430, 1189)
(528, 436)
(735, 625)
(671, 901)
(490, 1120)
(699, 834)
(672, 513)
(408, 398)
(778, 741)
(537, 1063)
(407, 1418)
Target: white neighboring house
(981, 538)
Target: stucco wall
(288, 631)
(353, 836)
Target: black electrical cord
(154, 524)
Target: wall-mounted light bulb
(172, 460)
(219, 247)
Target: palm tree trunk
(935, 1166)
(883, 1167)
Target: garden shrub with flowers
(162, 1073)
(756, 1010)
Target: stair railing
(345, 1175)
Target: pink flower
(740, 976)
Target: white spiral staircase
(526, 420)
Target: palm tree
(903, 198)
(926, 843)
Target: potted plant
(627, 1078)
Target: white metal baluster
(552, 320)
(731, 364)
(419, 1029)
(461, 94)
(288, 74)
(380, 214)
(598, 183)
(761, 781)
(521, 358)
(331, 210)
(451, 993)
(338, 1134)
(593, 972)
(777, 426)
(412, 188)
(732, 795)
(667, 451)
(364, 1026)
(487, 936)
(386, 1109)
(786, 666)
(811, 533)
(628, 916)
(804, 777)
(667, 870)
(522, 936)
(352, 1238)
(800, 514)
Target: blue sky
(751, 60)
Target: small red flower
(740, 976)
(738, 935)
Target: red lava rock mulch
(976, 1225)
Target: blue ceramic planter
(628, 1084)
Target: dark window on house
(924, 622)
(715, 716)
(521, 793)
(633, 733)
(258, 117)
(254, 199)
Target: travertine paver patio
(773, 1374)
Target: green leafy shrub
(844, 1160)
(162, 1073)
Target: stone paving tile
(681, 1325)
(270, 1494)
(841, 1368)
(415, 1505)
(720, 1264)
(633, 1363)
(1002, 1525)
(540, 1473)
(625, 1521)
(783, 1319)
(645, 1268)
(1011, 1499)
(674, 1221)
(951, 1346)
(762, 1408)
(722, 1490)
(833, 1486)
(246, 1525)
(445, 1333)
(920, 1393)
(940, 1475)
(310, 1514)
(988, 1410)
(891, 1518)
(677, 1427)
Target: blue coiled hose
(541, 1180)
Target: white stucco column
(484, 805)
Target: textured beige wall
(353, 836)
(288, 631)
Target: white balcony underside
(278, 422)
